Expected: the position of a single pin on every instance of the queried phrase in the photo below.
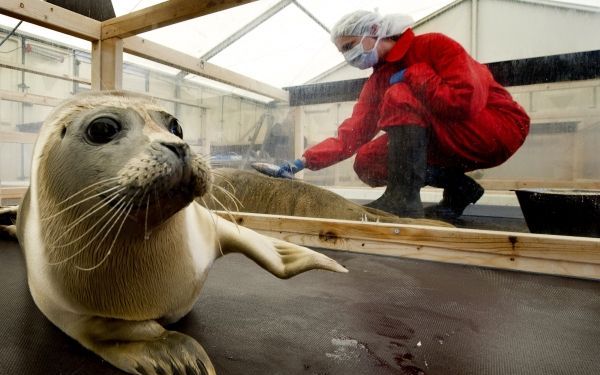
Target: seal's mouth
(158, 187)
(138, 196)
(151, 207)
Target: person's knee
(371, 173)
(400, 106)
(400, 95)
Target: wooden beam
(12, 192)
(107, 64)
(559, 255)
(491, 184)
(179, 60)
(17, 137)
(29, 98)
(52, 17)
(41, 72)
(163, 14)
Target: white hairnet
(361, 22)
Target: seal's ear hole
(103, 130)
(63, 132)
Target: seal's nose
(178, 149)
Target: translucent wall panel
(560, 150)
(564, 136)
(50, 59)
(216, 121)
(27, 97)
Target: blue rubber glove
(397, 77)
(287, 169)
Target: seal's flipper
(172, 352)
(141, 347)
(134, 346)
(283, 259)
(8, 232)
(8, 215)
(8, 218)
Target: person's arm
(451, 83)
(353, 132)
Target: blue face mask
(358, 57)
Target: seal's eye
(103, 130)
(175, 128)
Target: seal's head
(115, 149)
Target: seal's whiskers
(106, 181)
(212, 217)
(130, 206)
(224, 178)
(222, 206)
(146, 234)
(158, 203)
(82, 201)
(236, 202)
(117, 208)
(73, 225)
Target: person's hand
(397, 77)
(288, 169)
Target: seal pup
(115, 245)
(250, 191)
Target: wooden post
(107, 64)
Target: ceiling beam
(52, 17)
(163, 14)
(156, 52)
(312, 16)
(246, 29)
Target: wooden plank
(453, 256)
(12, 192)
(29, 98)
(492, 184)
(27, 69)
(153, 51)
(17, 137)
(107, 64)
(163, 14)
(575, 256)
(52, 17)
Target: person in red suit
(441, 113)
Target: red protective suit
(473, 121)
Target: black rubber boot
(407, 161)
(460, 191)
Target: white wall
(510, 29)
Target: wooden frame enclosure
(105, 73)
(559, 255)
